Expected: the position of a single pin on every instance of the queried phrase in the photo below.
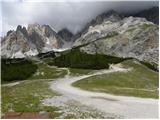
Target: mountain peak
(31, 41)
(19, 28)
(110, 12)
(47, 26)
(151, 14)
(33, 26)
(10, 31)
(111, 15)
(65, 34)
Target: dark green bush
(77, 59)
(16, 69)
(50, 54)
(149, 65)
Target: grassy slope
(76, 71)
(27, 97)
(46, 72)
(140, 82)
(73, 71)
(29, 70)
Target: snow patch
(18, 54)
(31, 52)
(60, 50)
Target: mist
(64, 14)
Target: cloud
(62, 14)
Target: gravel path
(121, 106)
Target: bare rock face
(17, 45)
(29, 42)
(128, 37)
(109, 33)
(44, 37)
(65, 34)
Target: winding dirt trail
(126, 107)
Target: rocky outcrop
(128, 37)
(109, 33)
(17, 45)
(108, 15)
(44, 37)
(65, 34)
(31, 41)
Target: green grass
(111, 34)
(47, 60)
(145, 26)
(152, 66)
(139, 82)
(29, 70)
(27, 96)
(75, 71)
(46, 72)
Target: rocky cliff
(126, 37)
(110, 33)
(29, 42)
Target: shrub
(17, 69)
(151, 66)
(77, 59)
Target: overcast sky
(62, 13)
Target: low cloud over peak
(59, 15)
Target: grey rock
(129, 37)
(31, 41)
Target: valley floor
(63, 100)
(113, 106)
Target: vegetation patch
(152, 66)
(17, 69)
(139, 82)
(45, 71)
(23, 69)
(131, 30)
(112, 34)
(77, 59)
(75, 71)
(50, 54)
(145, 26)
(27, 96)
(109, 35)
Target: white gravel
(126, 107)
